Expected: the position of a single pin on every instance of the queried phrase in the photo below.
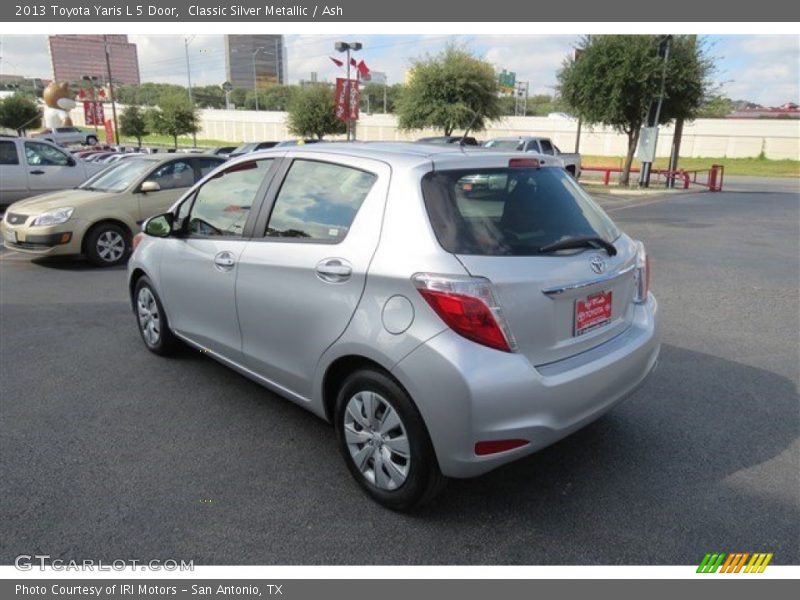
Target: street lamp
(348, 47)
(186, 41)
(255, 80)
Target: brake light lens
(642, 274)
(468, 306)
(523, 163)
(136, 239)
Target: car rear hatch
(500, 222)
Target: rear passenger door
(13, 178)
(299, 285)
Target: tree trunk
(175, 139)
(633, 139)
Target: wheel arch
(339, 370)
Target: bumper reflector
(495, 446)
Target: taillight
(642, 274)
(136, 239)
(469, 307)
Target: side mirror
(71, 161)
(159, 225)
(149, 186)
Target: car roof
(407, 154)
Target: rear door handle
(224, 261)
(37, 172)
(333, 270)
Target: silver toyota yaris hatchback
(448, 310)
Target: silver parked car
(445, 328)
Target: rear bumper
(468, 393)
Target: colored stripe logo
(735, 562)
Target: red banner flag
(93, 113)
(347, 110)
(363, 70)
(336, 61)
(109, 132)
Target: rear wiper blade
(581, 242)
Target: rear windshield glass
(510, 212)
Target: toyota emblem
(598, 264)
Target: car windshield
(118, 177)
(502, 144)
(511, 212)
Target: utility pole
(111, 88)
(186, 41)
(653, 116)
(255, 79)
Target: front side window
(222, 205)
(43, 155)
(510, 212)
(319, 201)
(173, 175)
(8, 153)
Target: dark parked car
(449, 139)
(251, 147)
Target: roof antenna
(466, 131)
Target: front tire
(152, 320)
(107, 245)
(385, 443)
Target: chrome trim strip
(555, 291)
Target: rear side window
(223, 203)
(8, 153)
(319, 201)
(510, 212)
(206, 165)
(547, 147)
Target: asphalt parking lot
(109, 452)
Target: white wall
(734, 138)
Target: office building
(255, 60)
(73, 56)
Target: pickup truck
(540, 145)
(67, 135)
(32, 166)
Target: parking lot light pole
(186, 41)
(255, 80)
(111, 88)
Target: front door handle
(37, 172)
(333, 270)
(224, 261)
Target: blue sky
(764, 69)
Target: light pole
(186, 41)
(653, 115)
(255, 80)
(111, 88)
(347, 47)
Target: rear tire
(152, 320)
(385, 443)
(107, 245)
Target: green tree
(373, 94)
(208, 96)
(716, 107)
(618, 77)
(19, 112)
(450, 91)
(132, 123)
(312, 113)
(174, 117)
(277, 97)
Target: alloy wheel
(110, 246)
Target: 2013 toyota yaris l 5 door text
(449, 310)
